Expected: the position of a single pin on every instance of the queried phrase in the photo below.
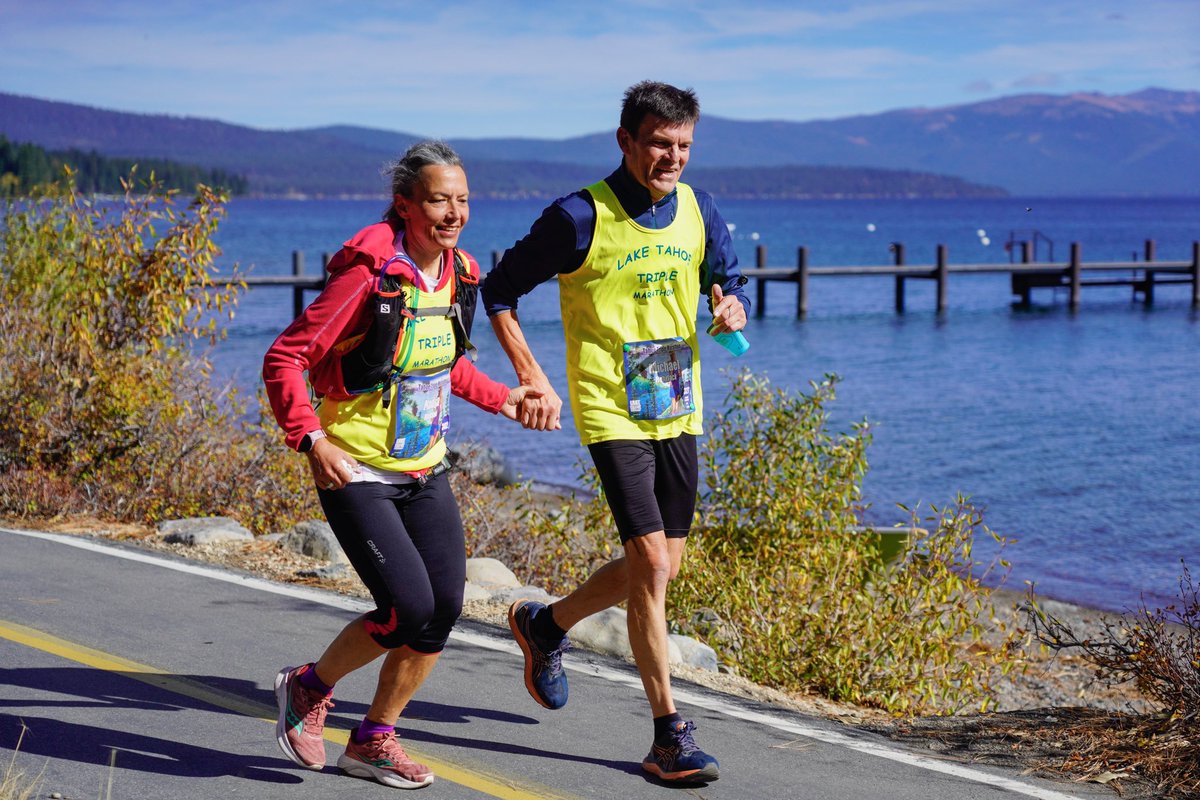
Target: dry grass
(1158, 652)
(16, 784)
(1136, 755)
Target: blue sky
(464, 68)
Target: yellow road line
(494, 785)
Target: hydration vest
(368, 364)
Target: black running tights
(406, 543)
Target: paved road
(155, 675)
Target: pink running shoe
(381, 757)
(300, 730)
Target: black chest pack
(370, 365)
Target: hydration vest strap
(432, 311)
(399, 265)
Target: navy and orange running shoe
(680, 760)
(544, 676)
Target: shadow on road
(406, 734)
(92, 744)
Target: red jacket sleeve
(305, 342)
(473, 385)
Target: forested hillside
(24, 166)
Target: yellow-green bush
(568, 539)
(800, 600)
(777, 581)
(109, 400)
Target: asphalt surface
(139, 676)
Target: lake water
(1079, 434)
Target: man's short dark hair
(676, 106)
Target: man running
(632, 254)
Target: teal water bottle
(733, 341)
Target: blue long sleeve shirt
(559, 241)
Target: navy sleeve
(720, 260)
(557, 243)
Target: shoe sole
(360, 769)
(281, 699)
(524, 644)
(704, 775)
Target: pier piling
(801, 282)
(297, 290)
(1195, 270)
(1148, 287)
(760, 261)
(1075, 275)
(942, 272)
(897, 249)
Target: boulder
(484, 464)
(473, 592)
(314, 538)
(608, 632)
(511, 594)
(695, 653)
(203, 530)
(490, 573)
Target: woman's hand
(331, 467)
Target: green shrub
(778, 582)
(109, 396)
(805, 603)
(568, 539)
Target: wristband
(309, 440)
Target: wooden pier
(1026, 275)
(299, 280)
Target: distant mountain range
(1144, 143)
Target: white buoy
(981, 233)
(985, 241)
(754, 236)
(871, 227)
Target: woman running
(382, 346)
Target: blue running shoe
(544, 676)
(681, 761)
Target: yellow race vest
(403, 427)
(629, 317)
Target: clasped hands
(535, 405)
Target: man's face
(656, 156)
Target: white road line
(479, 640)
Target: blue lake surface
(1078, 434)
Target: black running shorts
(650, 485)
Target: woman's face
(437, 212)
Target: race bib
(421, 413)
(658, 379)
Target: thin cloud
(1042, 80)
(477, 68)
